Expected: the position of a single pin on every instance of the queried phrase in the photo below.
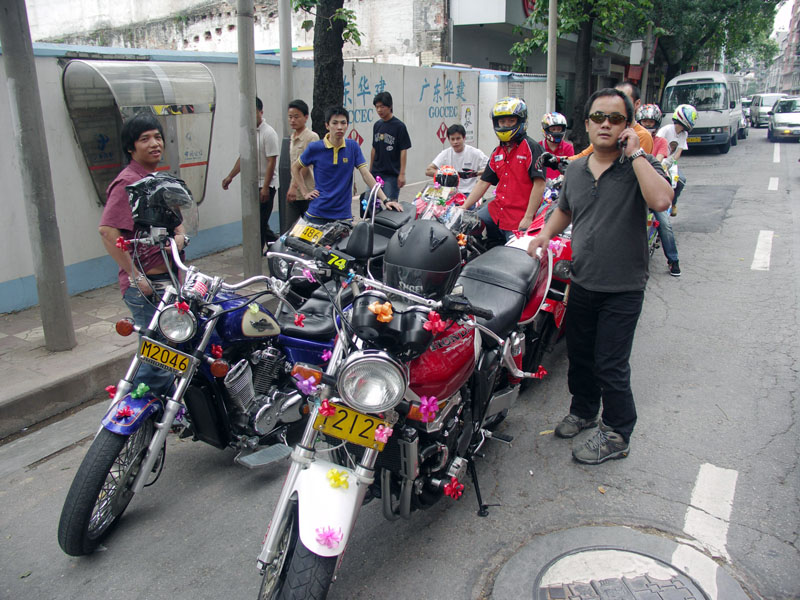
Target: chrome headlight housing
(371, 381)
(177, 326)
(279, 267)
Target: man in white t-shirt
(467, 160)
(676, 134)
(268, 150)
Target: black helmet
(423, 258)
(157, 201)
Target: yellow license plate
(165, 358)
(352, 426)
(307, 233)
(693, 140)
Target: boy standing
(390, 144)
(301, 137)
(467, 160)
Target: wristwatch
(637, 154)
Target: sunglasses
(614, 118)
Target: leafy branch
(350, 32)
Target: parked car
(784, 119)
(746, 102)
(762, 104)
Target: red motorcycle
(418, 380)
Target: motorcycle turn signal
(124, 327)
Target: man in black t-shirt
(390, 144)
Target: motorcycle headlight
(177, 326)
(371, 381)
(279, 267)
(562, 269)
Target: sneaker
(571, 425)
(673, 212)
(674, 269)
(602, 446)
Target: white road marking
(773, 184)
(709, 512)
(776, 154)
(763, 251)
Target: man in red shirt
(512, 168)
(554, 126)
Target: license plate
(352, 426)
(165, 358)
(307, 233)
(693, 140)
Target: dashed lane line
(763, 251)
(773, 184)
(776, 153)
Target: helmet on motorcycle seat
(157, 201)
(554, 119)
(649, 112)
(424, 258)
(447, 176)
(510, 107)
(685, 115)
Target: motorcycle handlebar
(460, 304)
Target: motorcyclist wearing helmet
(554, 127)
(512, 169)
(675, 134)
(467, 160)
(649, 117)
(143, 142)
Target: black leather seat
(502, 280)
(317, 325)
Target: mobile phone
(621, 143)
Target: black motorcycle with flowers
(417, 382)
(230, 357)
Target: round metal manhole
(613, 574)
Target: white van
(717, 98)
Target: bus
(717, 98)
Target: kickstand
(483, 509)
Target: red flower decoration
(454, 489)
(112, 390)
(182, 307)
(540, 373)
(434, 323)
(298, 319)
(125, 413)
(326, 409)
(656, 224)
(216, 350)
(123, 244)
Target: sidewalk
(38, 384)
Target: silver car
(784, 119)
(762, 104)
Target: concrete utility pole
(552, 45)
(248, 147)
(287, 92)
(37, 183)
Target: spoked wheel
(296, 573)
(101, 492)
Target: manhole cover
(611, 574)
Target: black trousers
(265, 211)
(600, 328)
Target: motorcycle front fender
(127, 415)
(323, 508)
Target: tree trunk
(583, 72)
(328, 63)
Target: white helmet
(686, 115)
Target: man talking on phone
(605, 196)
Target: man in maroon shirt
(143, 139)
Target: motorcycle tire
(100, 492)
(299, 573)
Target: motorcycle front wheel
(101, 492)
(296, 573)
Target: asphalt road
(714, 457)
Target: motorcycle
(230, 358)
(416, 385)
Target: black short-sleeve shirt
(389, 138)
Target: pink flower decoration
(298, 319)
(434, 323)
(454, 489)
(540, 373)
(383, 433)
(326, 536)
(125, 412)
(556, 245)
(309, 275)
(326, 355)
(307, 386)
(326, 409)
(182, 307)
(112, 390)
(428, 406)
(379, 180)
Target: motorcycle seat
(395, 219)
(317, 324)
(501, 280)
